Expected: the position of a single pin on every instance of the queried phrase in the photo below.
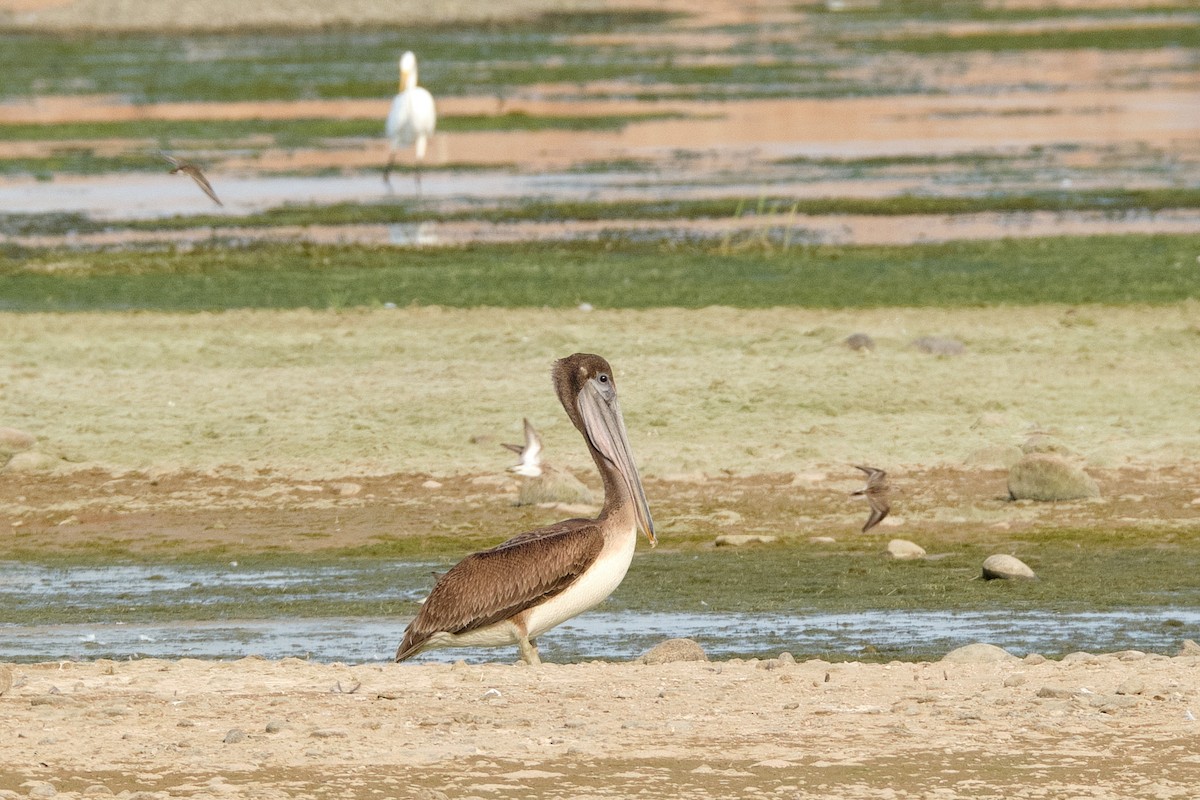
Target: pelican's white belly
(589, 589)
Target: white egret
(412, 118)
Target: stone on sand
(994, 455)
(1044, 476)
(742, 539)
(15, 441)
(1189, 648)
(31, 461)
(674, 650)
(5, 678)
(554, 486)
(978, 653)
(939, 346)
(1005, 567)
(904, 550)
(860, 342)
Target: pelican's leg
(529, 653)
(388, 169)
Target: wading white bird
(412, 118)
(538, 579)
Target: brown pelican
(876, 492)
(412, 118)
(522, 588)
(193, 172)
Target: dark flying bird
(192, 171)
(522, 588)
(876, 492)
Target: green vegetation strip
(1109, 269)
(786, 579)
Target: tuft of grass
(1102, 269)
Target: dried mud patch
(183, 513)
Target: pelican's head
(408, 70)
(588, 392)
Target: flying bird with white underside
(530, 452)
(411, 120)
(522, 588)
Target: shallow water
(170, 595)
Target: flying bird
(530, 452)
(193, 172)
(876, 492)
(525, 586)
(411, 120)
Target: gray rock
(1189, 648)
(234, 736)
(860, 342)
(904, 550)
(554, 485)
(15, 441)
(978, 653)
(996, 455)
(940, 346)
(1044, 443)
(31, 461)
(1041, 476)
(742, 539)
(674, 650)
(1057, 692)
(1006, 567)
(42, 790)
(1133, 685)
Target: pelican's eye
(602, 378)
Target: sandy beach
(1097, 726)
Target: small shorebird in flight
(411, 120)
(876, 492)
(522, 588)
(193, 172)
(530, 452)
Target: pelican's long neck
(618, 502)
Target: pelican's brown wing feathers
(494, 585)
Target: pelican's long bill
(605, 428)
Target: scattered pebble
(1045, 476)
(1006, 567)
(234, 736)
(860, 342)
(978, 653)
(6, 678)
(742, 539)
(15, 441)
(939, 346)
(431, 484)
(904, 550)
(674, 650)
